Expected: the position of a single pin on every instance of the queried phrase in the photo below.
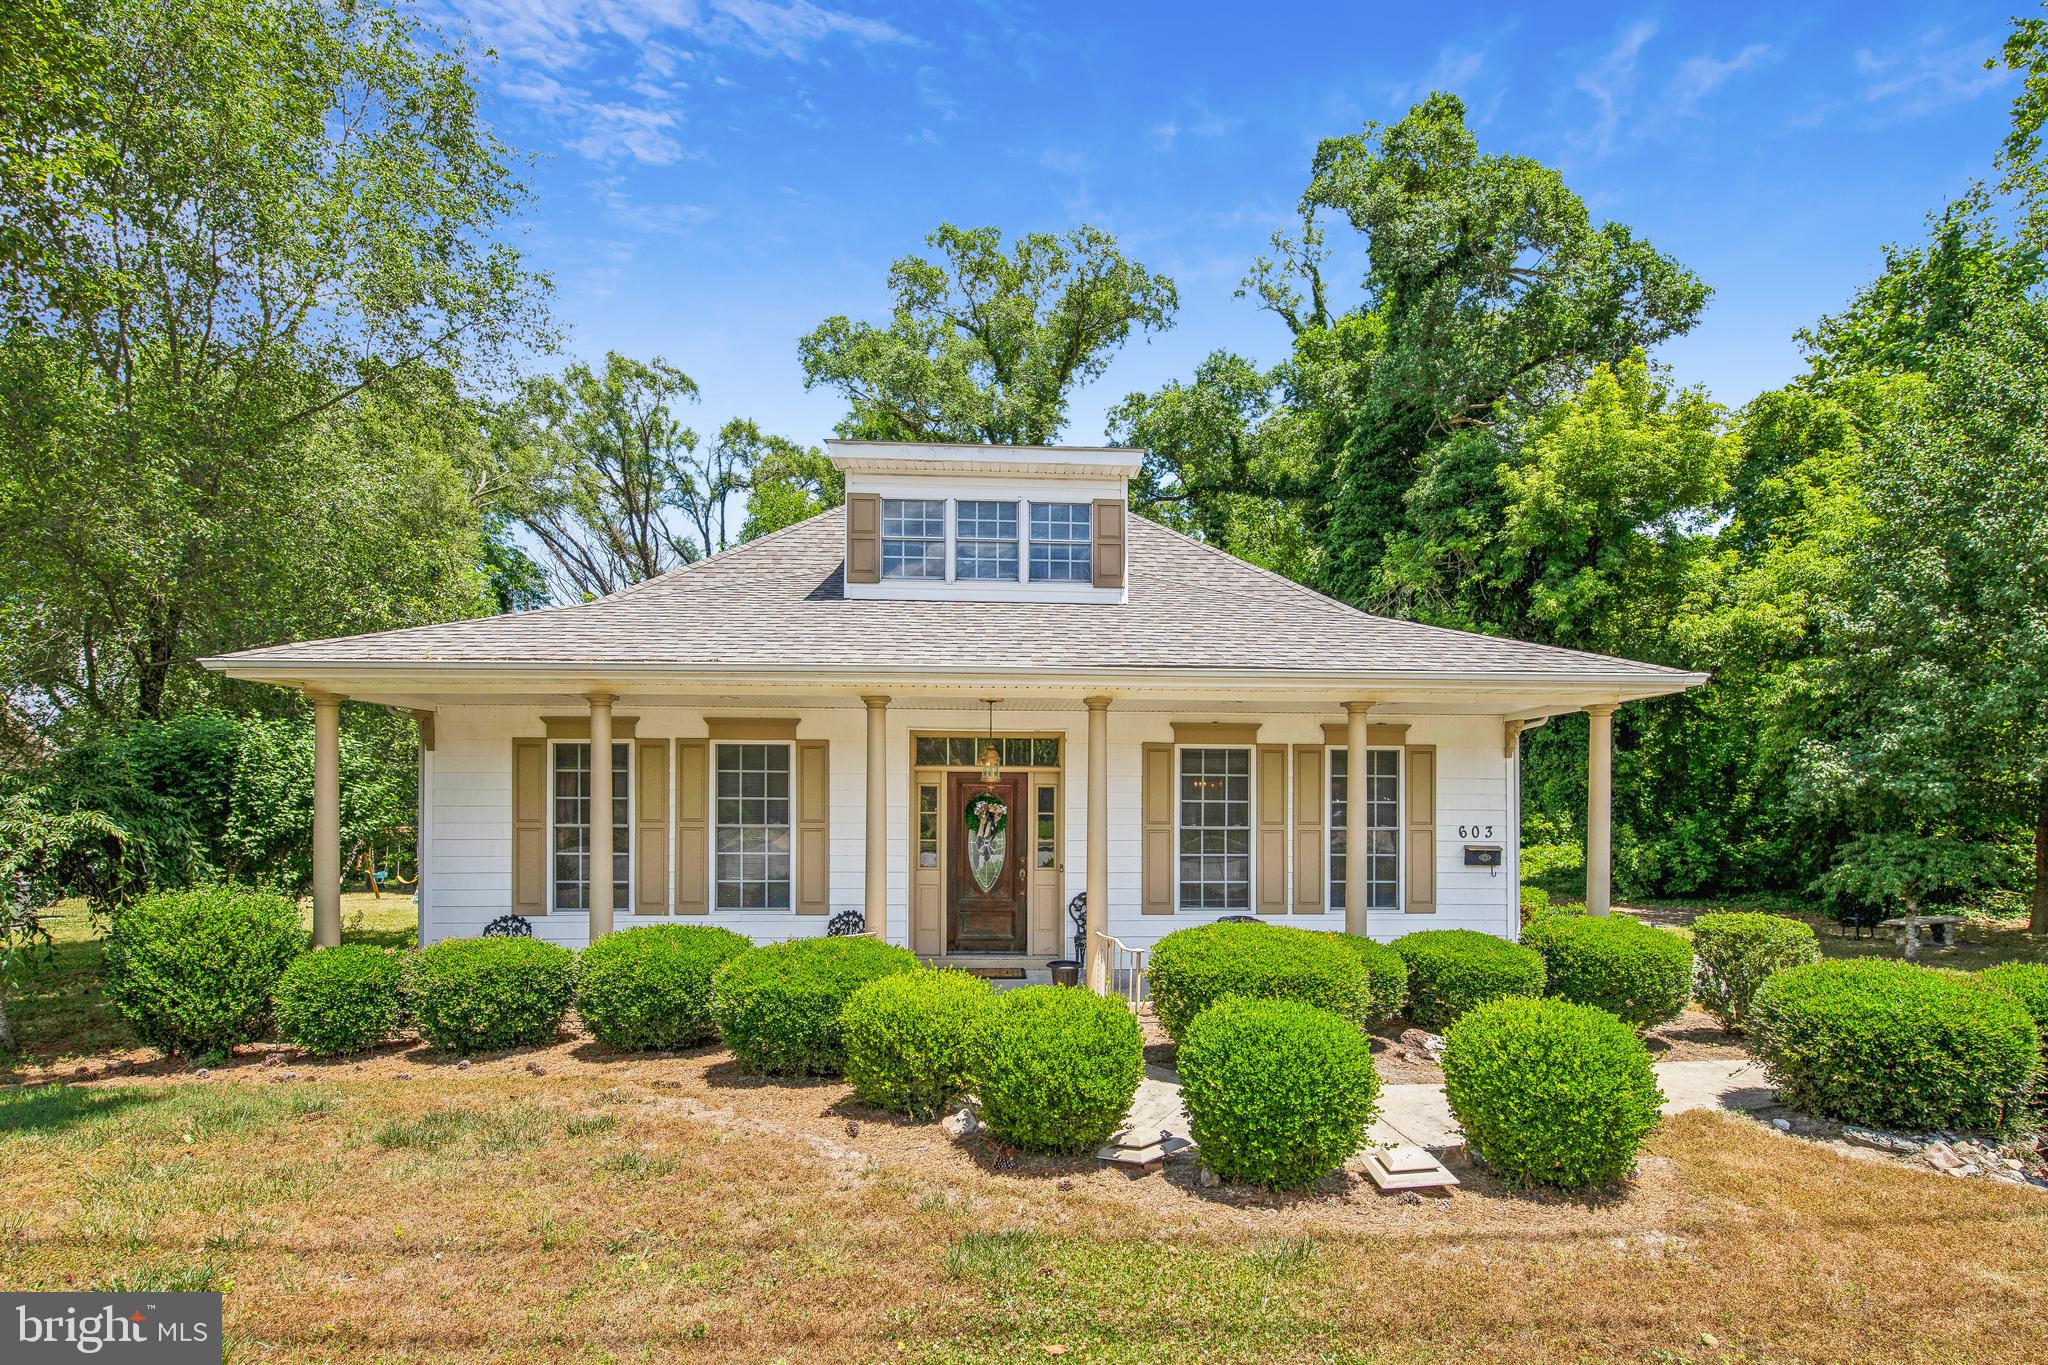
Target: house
(979, 688)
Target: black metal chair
(846, 924)
(1857, 921)
(509, 926)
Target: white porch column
(1599, 807)
(600, 814)
(1356, 918)
(1097, 873)
(875, 905)
(326, 819)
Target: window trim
(632, 850)
(1087, 541)
(1331, 888)
(712, 825)
(1020, 542)
(1251, 827)
(945, 539)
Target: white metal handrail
(1125, 969)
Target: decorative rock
(202, 1073)
(959, 1124)
(1208, 1179)
(462, 1065)
(1782, 1125)
(1878, 1140)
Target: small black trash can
(1065, 971)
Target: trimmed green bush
(1640, 974)
(650, 986)
(1386, 978)
(338, 1000)
(1549, 1092)
(1191, 969)
(1535, 900)
(907, 1039)
(1895, 1045)
(778, 1006)
(1452, 970)
(194, 971)
(1278, 1093)
(480, 994)
(1055, 1068)
(1735, 951)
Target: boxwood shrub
(1278, 1093)
(650, 986)
(478, 994)
(777, 1006)
(907, 1039)
(1636, 972)
(1735, 951)
(1191, 969)
(340, 1000)
(1894, 1045)
(1055, 1068)
(194, 971)
(1452, 970)
(1535, 900)
(1549, 1092)
(1386, 978)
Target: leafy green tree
(601, 467)
(43, 858)
(234, 263)
(787, 483)
(985, 344)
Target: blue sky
(713, 177)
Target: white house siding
(467, 865)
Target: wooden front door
(986, 913)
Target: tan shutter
(1421, 813)
(693, 827)
(1272, 847)
(813, 846)
(1158, 818)
(650, 848)
(1310, 800)
(864, 538)
(1109, 543)
(529, 827)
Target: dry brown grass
(653, 1208)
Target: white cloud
(1612, 83)
(667, 219)
(1699, 77)
(1928, 74)
(612, 131)
(1065, 162)
(1455, 70)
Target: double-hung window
(1061, 551)
(913, 538)
(1380, 839)
(572, 808)
(753, 836)
(1215, 829)
(985, 536)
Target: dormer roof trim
(1044, 462)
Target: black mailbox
(1482, 855)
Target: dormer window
(939, 522)
(1060, 543)
(986, 541)
(914, 538)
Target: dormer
(985, 523)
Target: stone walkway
(1422, 1112)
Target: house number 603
(1475, 831)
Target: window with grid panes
(572, 804)
(913, 537)
(1382, 841)
(753, 834)
(1061, 543)
(1215, 829)
(985, 541)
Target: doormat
(995, 973)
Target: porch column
(1097, 873)
(1599, 807)
(1355, 863)
(875, 906)
(326, 819)
(600, 814)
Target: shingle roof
(776, 604)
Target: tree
(984, 344)
(268, 228)
(787, 483)
(44, 857)
(601, 460)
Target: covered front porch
(962, 818)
